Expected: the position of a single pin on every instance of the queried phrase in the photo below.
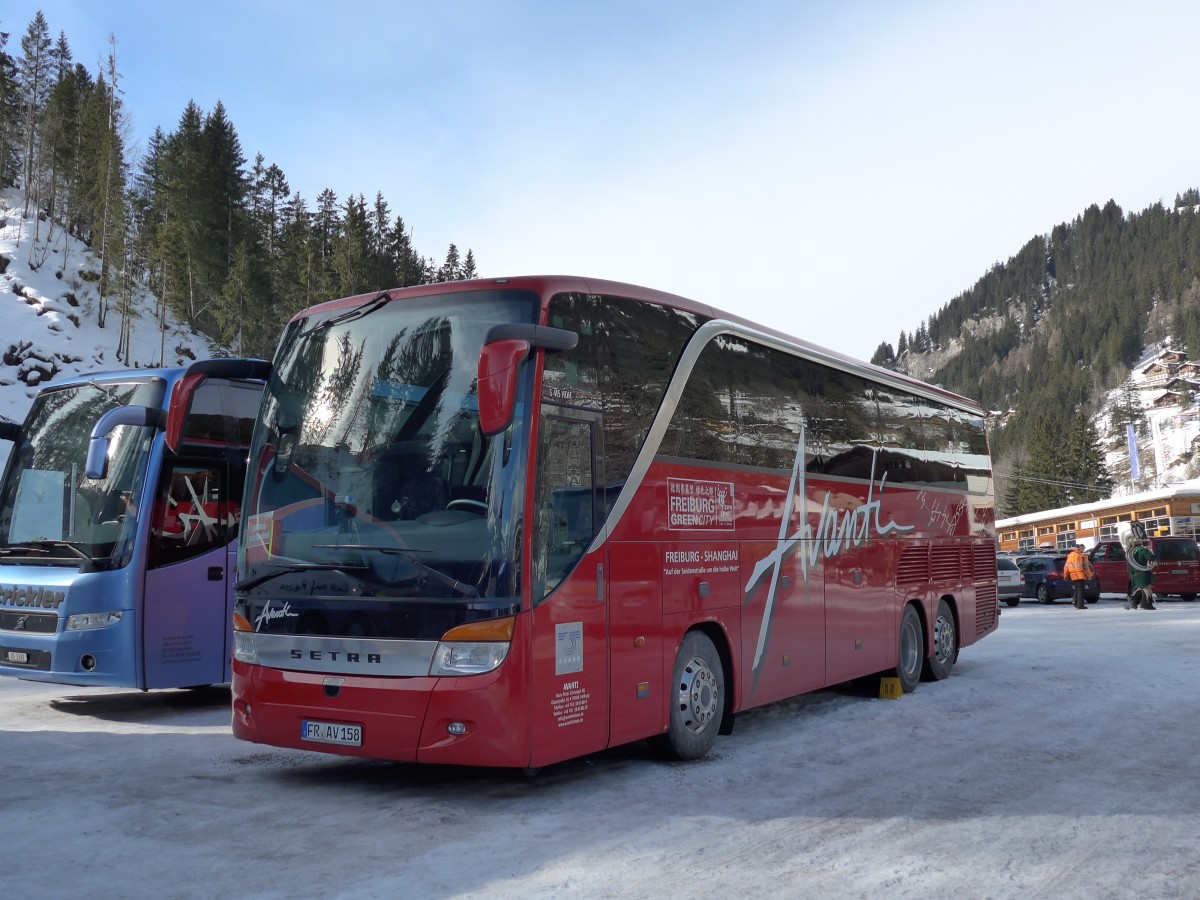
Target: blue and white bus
(119, 510)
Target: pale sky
(836, 170)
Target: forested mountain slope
(1045, 335)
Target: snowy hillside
(49, 310)
(1167, 386)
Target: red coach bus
(511, 522)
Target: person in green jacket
(1140, 564)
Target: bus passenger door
(568, 587)
(185, 610)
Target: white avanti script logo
(834, 534)
(268, 615)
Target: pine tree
(408, 263)
(1042, 466)
(105, 178)
(235, 307)
(300, 266)
(1127, 410)
(384, 264)
(451, 269)
(34, 81)
(225, 185)
(9, 115)
(469, 271)
(1085, 475)
(352, 260)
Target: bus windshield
(50, 512)
(374, 491)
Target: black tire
(941, 661)
(697, 700)
(1187, 598)
(1043, 595)
(1013, 601)
(911, 650)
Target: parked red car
(1177, 572)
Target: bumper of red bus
(452, 721)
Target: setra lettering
(372, 659)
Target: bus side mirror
(9, 431)
(504, 349)
(97, 458)
(96, 465)
(499, 363)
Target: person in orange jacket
(1079, 569)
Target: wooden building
(1172, 510)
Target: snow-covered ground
(1057, 761)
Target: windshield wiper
(293, 568)
(358, 312)
(45, 547)
(76, 548)
(21, 548)
(449, 581)
(110, 394)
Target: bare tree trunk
(108, 176)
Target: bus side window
(566, 501)
(189, 512)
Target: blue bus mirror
(97, 458)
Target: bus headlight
(89, 621)
(474, 648)
(467, 659)
(244, 649)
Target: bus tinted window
(744, 403)
(626, 353)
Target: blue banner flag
(1134, 468)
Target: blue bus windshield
(50, 512)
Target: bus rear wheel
(697, 700)
(911, 650)
(945, 645)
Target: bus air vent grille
(945, 564)
(987, 607)
(914, 566)
(985, 561)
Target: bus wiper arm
(291, 569)
(11, 549)
(75, 548)
(44, 548)
(364, 309)
(449, 581)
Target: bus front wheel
(697, 700)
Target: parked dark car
(1044, 579)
